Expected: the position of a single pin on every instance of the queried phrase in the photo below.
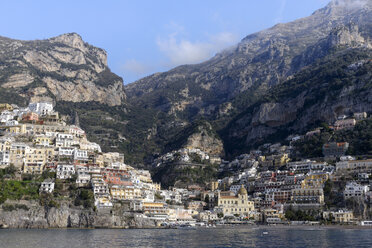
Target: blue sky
(142, 37)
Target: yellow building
(119, 192)
(5, 106)
(17, 154)
(33, 129)
(315, 180)
(282, 159)
(43, 140)
(5, 145)
(339, 216)
(235, 204)
(213, 185)
(154, 208)
(36, 159)
(14, 129)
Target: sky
(142, 37)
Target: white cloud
(183, 51)
(136, 68)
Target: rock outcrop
(67, 217)
(63, 68)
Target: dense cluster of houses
(262, 186)
(275, 184)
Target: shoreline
(231, 226)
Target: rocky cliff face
(205, 139)
(63, 68)
(336, 85)
(66, 217)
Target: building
(5, 106)
(231, 205)
(47, 186)
(83, 176)
(4, 158)
(335, 149)
(315, 180)
(81, 156)
(307, 196)
(155, 209)
(345, 124)
(339, 216)
(235, 188)
(30, 117)
(43, 140)
(66, 152)
(119, 192)
(17, 153)
(353, 189)
(41, 108)
(65, 171)
(36, 158)
(354, 166)
(360, 116)
(278, 196)
(207, 216)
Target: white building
(148, 196)
(353, 189)
(65, 140)
(47, 186)
(76, 131)
(81, 155)
(355, 166)
(6, 116)
(4, 158)
(41, 108)
(65, 171)
(90, 146)
(11, 123)
(83, 175)
(66, 151)
(235, 188)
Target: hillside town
(264, 186)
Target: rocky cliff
(66, 217)
(63, 68)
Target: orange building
(30, 116)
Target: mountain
(279, 81)
(63, 68)
(239, 91)
(258, 62)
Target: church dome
(242, 191)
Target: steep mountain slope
(63, 68)
(340, 83)
(258, 62)
(231, 89)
